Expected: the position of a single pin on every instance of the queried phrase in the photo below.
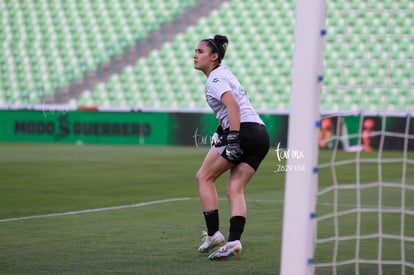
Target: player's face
(203, 59)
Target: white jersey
(220, 81)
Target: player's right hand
(233, 150)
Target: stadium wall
(107, 127)
(93, 126)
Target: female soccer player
(239, 145)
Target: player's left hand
(233, 150)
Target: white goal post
(349, 186)
(300, 186)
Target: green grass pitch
(159, 238)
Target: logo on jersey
(215, 80)
(242, 92)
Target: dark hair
(218, 44)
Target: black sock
(236, 227)
(212, 221)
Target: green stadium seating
(53, 38)
(369, 43)
(263, 63)
(187, 85)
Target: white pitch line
(135, 205)
(93, 210)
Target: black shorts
(254, 141)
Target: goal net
(355, 201)
(365, 196)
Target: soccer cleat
(226, 251)
(210, 242)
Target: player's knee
(198, 176)
(201, 177)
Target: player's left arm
(233, 150)
(233, 110)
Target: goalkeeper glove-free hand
(233, 150)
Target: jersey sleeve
(218, 86)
